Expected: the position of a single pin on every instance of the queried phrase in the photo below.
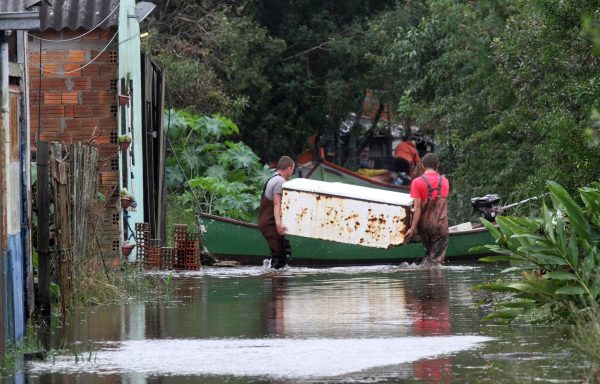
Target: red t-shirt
(418, 187)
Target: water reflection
(337, 306)
(276, 307)
(243, 325)
(429, 304)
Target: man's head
(431, 161)
(285, 166)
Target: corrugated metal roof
(75, 14)
(18, 15)
(12, 6)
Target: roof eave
(20, 20)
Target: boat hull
(326, 171)
(228, 239)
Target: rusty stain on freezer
(346, 213)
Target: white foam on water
(248, 271)
(291, 358)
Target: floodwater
(380, 324)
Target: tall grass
(586, 333)
(123, 284)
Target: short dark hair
(431, 160)
(284, 162)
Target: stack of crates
(150, 253)
(187, 249)
(166, 256)
(142, 242)
(154, 256)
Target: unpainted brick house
(85, 54)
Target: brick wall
(73, 102)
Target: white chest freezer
(345, 213)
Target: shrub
(558, 255)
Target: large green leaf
(573, 251)
(492, 229)
(494, 259)
(213, 127)
(216, 171)
(591, 199)
(238, 156)
(530, 236)
(228, 126)
(570, 290)
(496, 249)
(548, 222)
(518, 304)
(542, 287)
(574, 211)
(561, 239)
(497, 287)
(548, 260)
(508, 314)
(559, 275)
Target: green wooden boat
(228, 239)
(324, 170)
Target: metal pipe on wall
(3, 128)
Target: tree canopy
(508, 88)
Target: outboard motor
(488, 206)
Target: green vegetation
(555, 264)
(208, 173)
(28, 345)
(585, 338)
(507, 88)
(96, 285)
(557, 254)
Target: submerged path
(334, 325)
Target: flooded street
(381, 324)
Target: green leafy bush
(558, 255)
(208, 173)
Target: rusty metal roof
(12, 6)
(75, 14)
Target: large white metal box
(345, 213)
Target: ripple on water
(241, 271)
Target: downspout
(4, 126)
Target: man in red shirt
(430, 216)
